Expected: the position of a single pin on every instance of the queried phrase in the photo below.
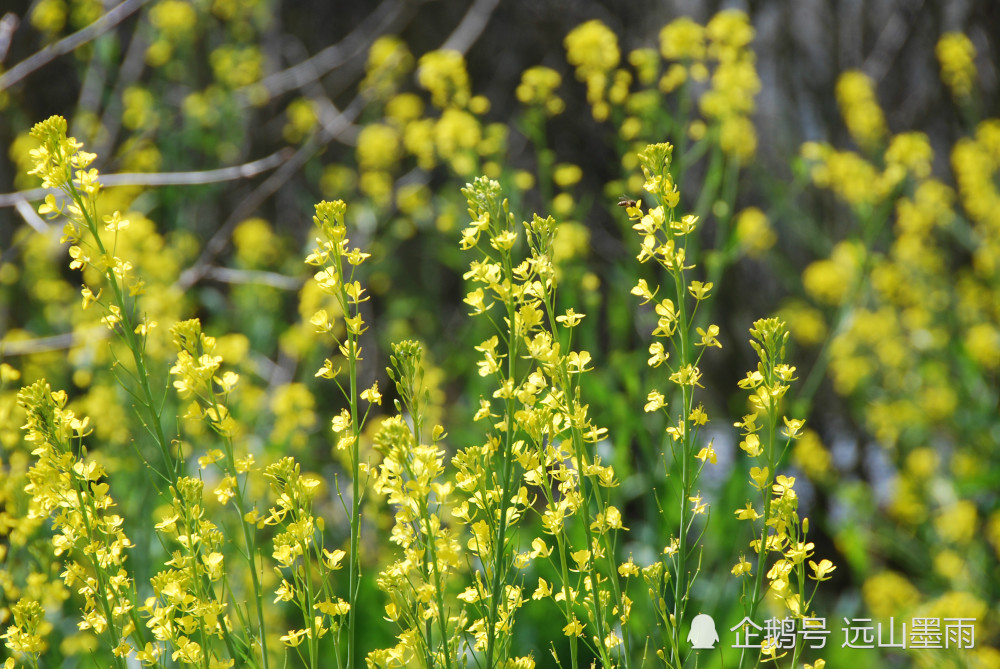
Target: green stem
(171, 465)
(354, 585)
(104, 595)
(251, 545)
(681, 579)
(499, 547)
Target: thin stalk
(588, 490)
(574, 643)
(354, 585)
(310, 618)
(680, 579)
(252, 551)
(171, 465)
(755, 595)
(104, 595)
(499, 547)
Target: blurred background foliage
(862, 208)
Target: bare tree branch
(248, 205)
(59, 342)
(128, 73)
(335, 124)
(388, 17)
(891, 40)
(30, 216)
(8, 24)
(247, 276)
(471, 26)
(69, 43)
(232, 173)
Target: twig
(58, 342)
(8, 24)
(232, 173)
(891, 40)
(341, 123)
(336, 123)
(387, 17)
(471, 26)
(273, 279)
(69, 43)
(70, 339)
(31, 217)
(128, 73)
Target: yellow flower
(701, 291)
(730, 31)
(378, 147)
(860, 109)
(236, 66)
(821, 570)
(592, 48)
(753, 232)
(570, 318)
(538, 87)
(742, 568)
(255, 242)
(646, 63)
(747, 513)
(303, 115)
(174, 17)
(751, 444)
(681, 39)
(707, 453)
(334, 559)
(574, 628)
(957, 56)
(709, 338)
(389, 60)
(443, 73)
(372, 394)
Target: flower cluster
(443, 74)
(109, 278)
(781, 532)
(860, 109)
(26, 637)
(538, 88)
(389, 60)
(592, 48)
(62, 164)
(188, 610)
(957, 57)
(432, 622)
(199, 378)
(300, 556)
(539, 444)
(734, 83)
(68, 488)
(895, 333)
(910, 342)
(188, 588)
(677, 350)
(336, 278)
(457, 136)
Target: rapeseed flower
(956, 54)
(860, 109)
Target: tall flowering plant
(540, 442)
(677, 349)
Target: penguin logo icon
(703, 634)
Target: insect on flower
(624, 201)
